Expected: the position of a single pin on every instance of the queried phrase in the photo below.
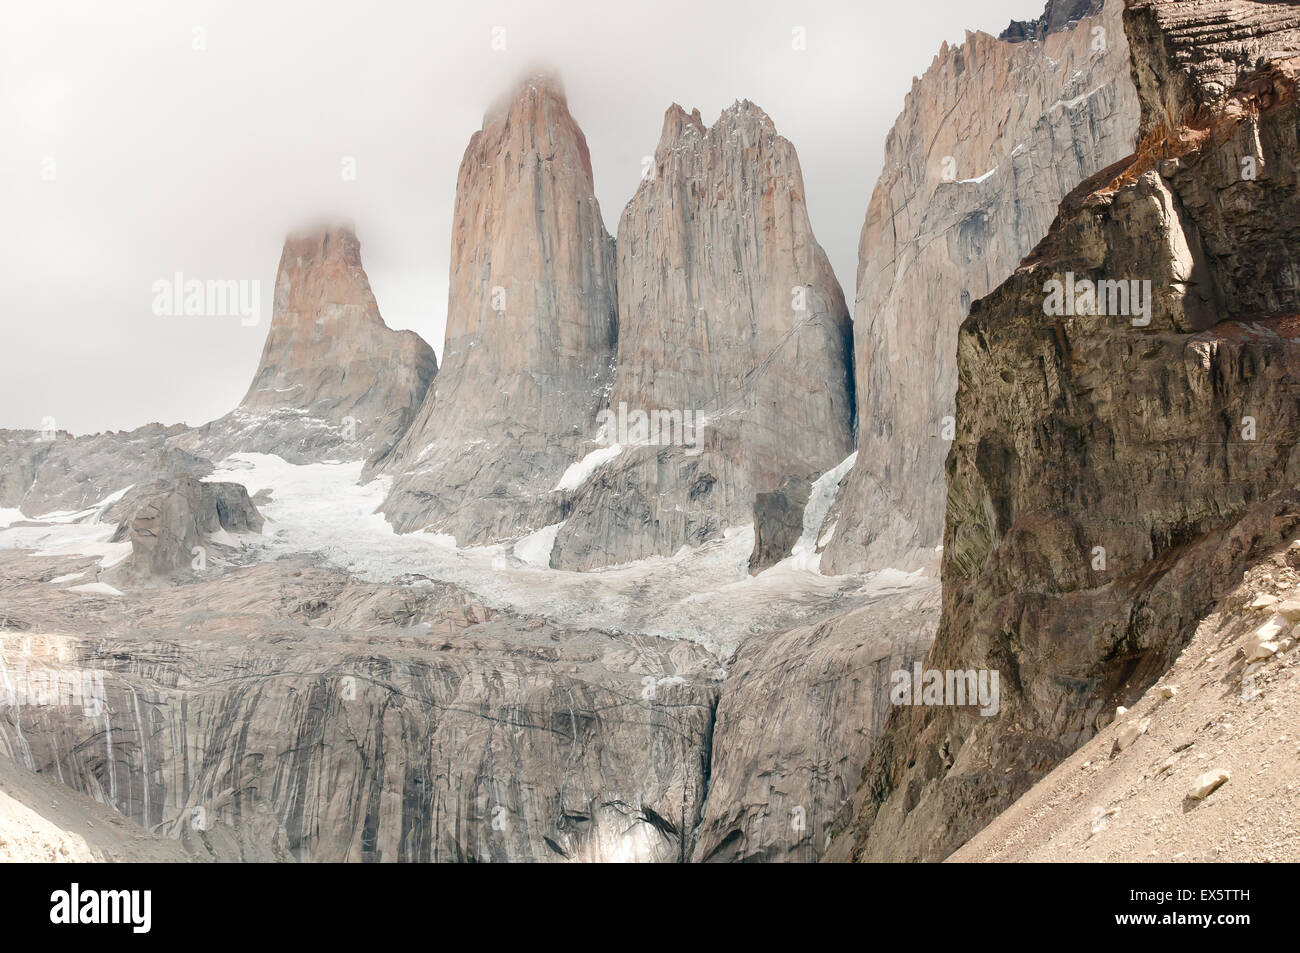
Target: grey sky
(169, 158)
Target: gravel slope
(1104, 804)
(42, 821)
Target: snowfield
(703, 595)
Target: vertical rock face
(989, 142)
(531, 329)
(796, 721)
(1117, 465)
(334, 380)
(728, 313)
(778, 523)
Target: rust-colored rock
(334, 380)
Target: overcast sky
(142, 139)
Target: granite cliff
(1127, 438)
(334, 380)
(731, 323)
(531, 331)
(990, 140)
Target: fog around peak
(149, 139)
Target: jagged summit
(728, 312)
(1058, 15)
(1118, 466)
(989, 142)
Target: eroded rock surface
(990, 140)
(796, 722)
(1057, 16)
(170, 525)
(43, 472)
(44, 822)
(1113, 473)
(778, 522)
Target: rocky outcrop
(729, 317)
(990, 140)
(172, 525)
(796, 721)
(1214, 42)
(778, 522)
(531, 330)
(53, 471)
(334, 381)
(284, 712)
(1127, 438)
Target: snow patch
(535, 550)
(983, 178)
(97, 588)
(804, 555)
(577, 473)
(1071, 103)
(703, 594)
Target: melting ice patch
(704, 594)
(577, 473)
(68, 533)
(824, 488)
(97, 588)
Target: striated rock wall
(796, 722)
(289, 713)
(531, 331)
(728, 312)
(334, 381)
(1116, 468)
(990, 140)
